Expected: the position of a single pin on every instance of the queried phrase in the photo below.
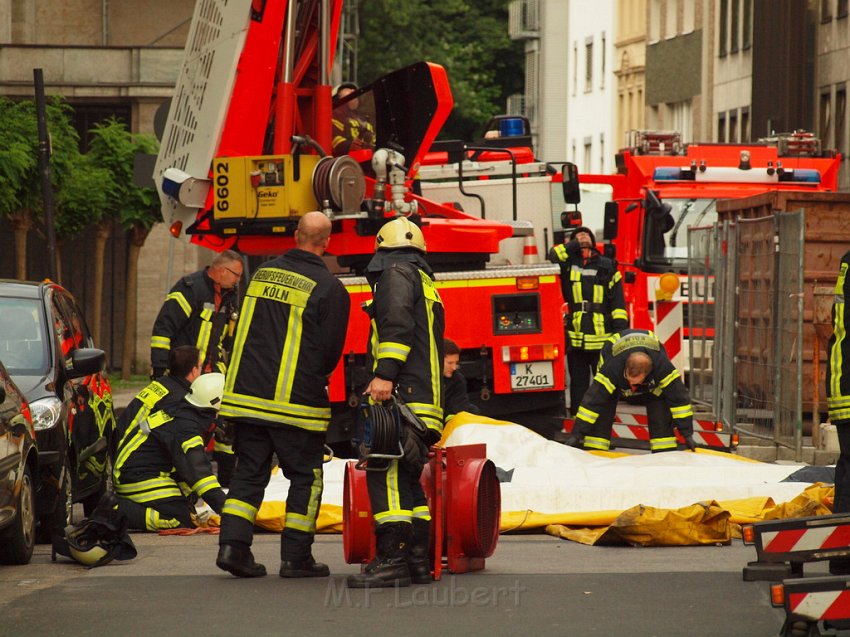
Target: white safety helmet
(206, 391)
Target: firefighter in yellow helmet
(406, 359)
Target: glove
(690, 444)
(157, 372)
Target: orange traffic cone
(529, 250)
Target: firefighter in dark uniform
(288, 341)
(455, 396)
(160, 457)
(633, 366)
(838, 399)
(406, 357)
(198, 311)
(352, 129)
(593, 291)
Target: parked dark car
(48, 351)
(18, 468)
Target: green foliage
(20, 178)
(84, 199)
(469, 38)
(113, 148)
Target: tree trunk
(21, 224)
(104, 229)
(58, 263)
(138, 234)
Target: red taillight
(748, 534)
(523, 353)
(175, 229)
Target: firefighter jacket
(162, 393)
(838, 370)
(593, 291)
(189, 317)
(351, 131)
(289, 339)
(610, 384)
(163, 449)
(406, 333)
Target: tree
(20, 183)
(469, 38)
(114, 148)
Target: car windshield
(667, 236)
(23, 343)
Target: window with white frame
(588, 65)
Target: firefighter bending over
(160, 455)
(289, 339)
(593, 290)
(838, 400)
(633, 366)
(406, 341)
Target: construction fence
(745, 325)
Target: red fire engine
(664, 187)
(246, 152)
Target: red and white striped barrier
(632, 430)
(668, 318)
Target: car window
(79, 329)
(23, 343)
(68, 334)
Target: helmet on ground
(583, 229)
(99, 539)
(401, 232)
(206, 391)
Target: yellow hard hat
(401, 232)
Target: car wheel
(54, 523)
(18, 539)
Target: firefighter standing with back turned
(406, 356)
(289, 339)
(634, 366)
(593, 290)
(838, 399)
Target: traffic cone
(529, 250)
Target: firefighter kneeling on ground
(633, 366)
(406, 358)
(160, 462)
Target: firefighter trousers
(661, 434)
(156, 516)
(581, 364)
(300, 453)
(396, 495)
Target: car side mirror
(86, 361)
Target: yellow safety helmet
(401, 232)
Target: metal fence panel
(702, 266)
(788, 430)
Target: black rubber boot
(239, 562)
(304, 568)
(389, 568)
(419, 558)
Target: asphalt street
(532, 585)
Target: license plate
(526, 376)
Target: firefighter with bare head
(288, 341)
(406, 360)
(634, 367)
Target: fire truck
(246, 151)
(664, 187)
